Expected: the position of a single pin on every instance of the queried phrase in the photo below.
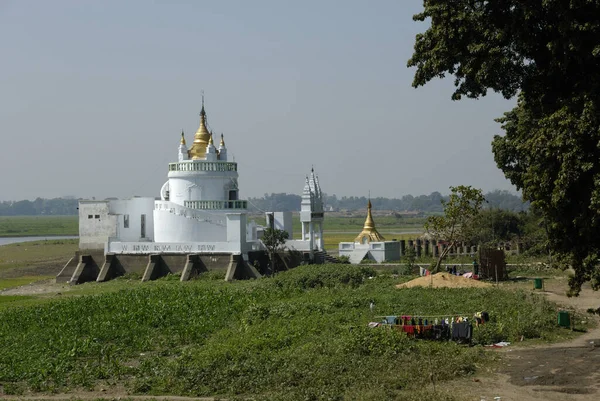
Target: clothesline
(422, 315)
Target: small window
(125, 221)
(90, 216)
(97, 216)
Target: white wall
(200, 185)
(134, 208)
(145, 248)
(174, 223)
(281, 221)
(298, 245)
(386, 251)
(236, 230)
(95, 224)
(251, 231)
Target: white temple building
(369, 244)
(199, 208)
(199, 211)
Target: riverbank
(36, 259)
(19, 240)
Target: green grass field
(22, 226)
(301, 335)
(19, 226)
(37, 253)
(12, 282)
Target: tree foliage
(274, 240)
(40, 206)
(496, 225)
(458, 224)
(529, 228)
(547, 52)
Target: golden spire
(210, 141)
(201, 138)
(182, 138)
(222, 143)
(369, 232)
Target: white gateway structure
(199, 217)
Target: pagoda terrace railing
(203, 166)
(216, 204)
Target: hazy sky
(93, 97)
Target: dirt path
(41, 287)
(565, 371)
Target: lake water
(14, 240)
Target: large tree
(546, 53)
(458, 223)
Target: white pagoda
(198, 223)
(199, 215)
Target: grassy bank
(23, 226)
(299, 336)
(26, 262)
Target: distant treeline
(40, 207)
(284, 202)
(423, 203)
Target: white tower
(222, 150)
(183, 150)
(202, 194)
(211, 151)
(311, 213)
(203, 180)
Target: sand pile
(439, 280)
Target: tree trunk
(442, 256)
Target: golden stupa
(369, 232)
(201, 138)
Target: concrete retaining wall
(95, 266)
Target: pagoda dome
(369, 232)
(201, 139)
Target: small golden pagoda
(369, 232)
(201, 138)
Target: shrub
(323, 276)
(345, 259)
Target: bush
(323, 276)
(345, 259)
